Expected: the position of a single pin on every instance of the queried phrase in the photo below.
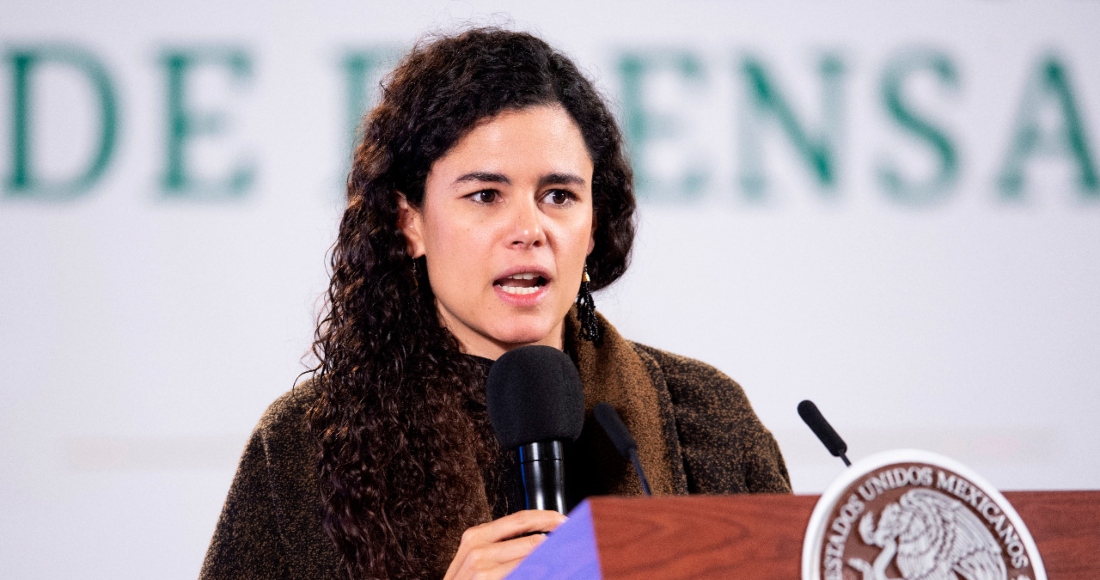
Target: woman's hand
(492, 550)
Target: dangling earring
(416, 274)
(586, 311)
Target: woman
(489, 195)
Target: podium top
(760, 536)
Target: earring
(586, 311)
(416, 274)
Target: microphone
(824, 431)
(536, 404)
(622, 440)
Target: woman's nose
(526, 225)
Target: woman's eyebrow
(483, 176)
(560, 179)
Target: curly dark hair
(402, 451)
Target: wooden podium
(760, 537)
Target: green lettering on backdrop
(186, 124)
(24, 181)
(766, 102)
(362, 71)
(643, 126)
(1049, 88)
(938, 186)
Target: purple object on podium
(568, 553)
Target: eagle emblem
(930, 536)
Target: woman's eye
(559, 197)
(484, 196)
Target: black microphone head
(824, 431)
(534, 394)
(615, 428)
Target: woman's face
(505, 226)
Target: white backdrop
(153, 304)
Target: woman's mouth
(521, 284)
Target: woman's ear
(592, 237)
(411, 223)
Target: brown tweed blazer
(695, 429)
